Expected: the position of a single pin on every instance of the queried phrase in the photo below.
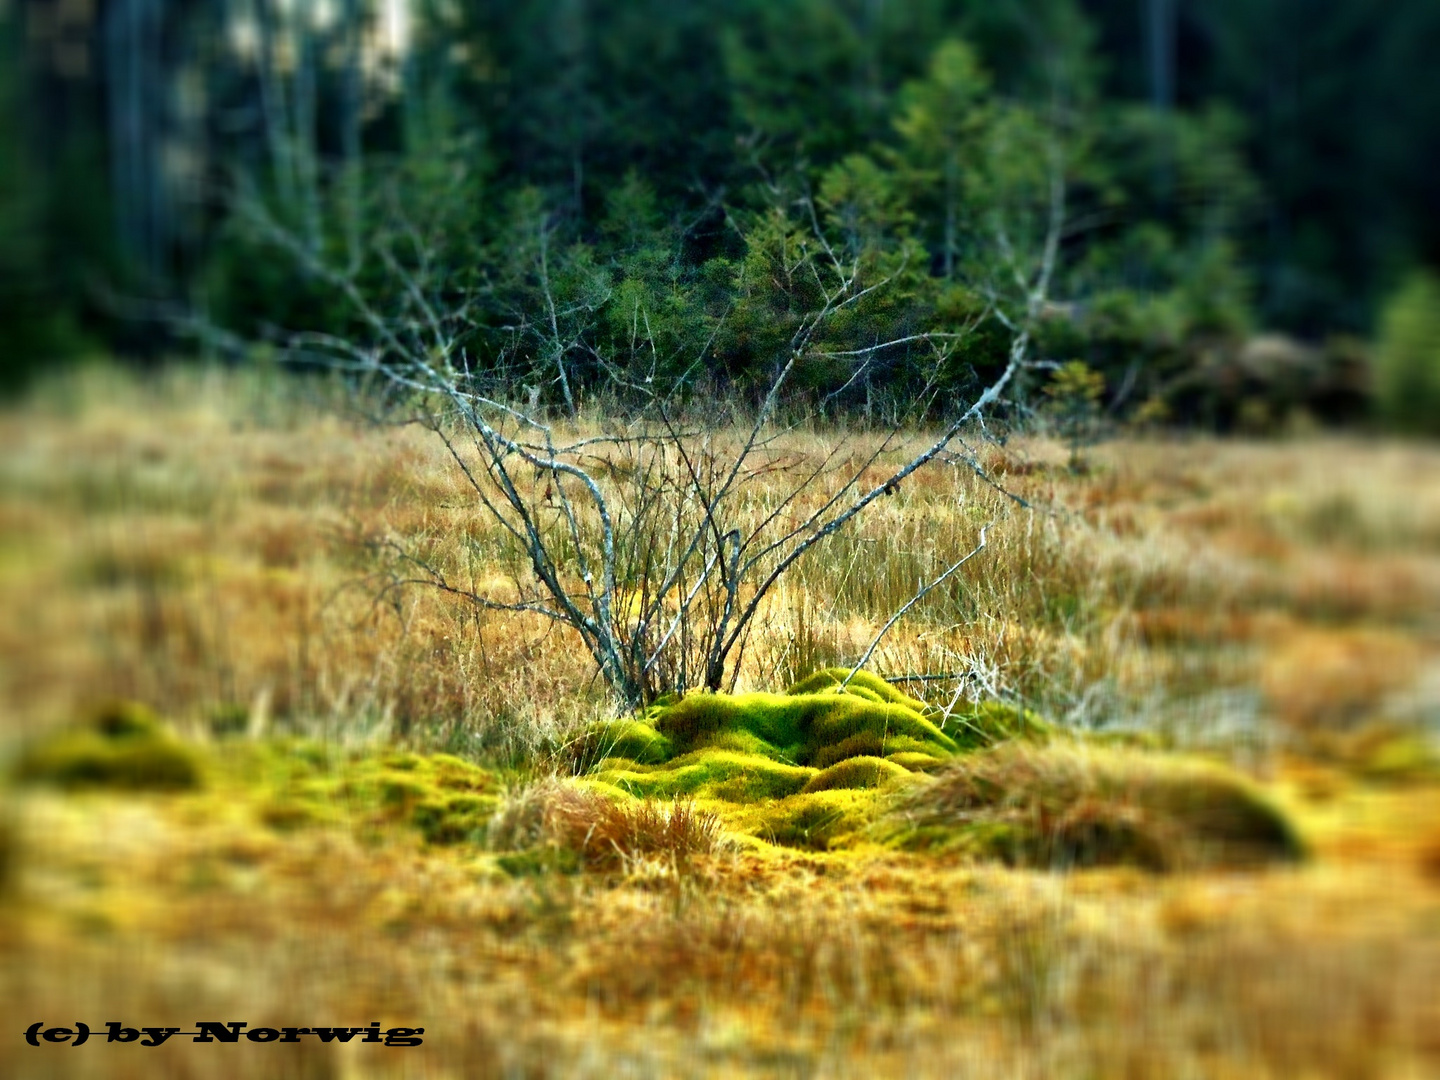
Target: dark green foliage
(1407, 369)
(44, 228)
(720, 112)
(576, 237)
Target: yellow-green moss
(632, 739)
(550, 859)
(123, 746)
(285, 814)
(818, 820)
(916, 762)
(453, 818)
(448, 800)
(799, 726)
(801, 768)
(749, 756)
(863, 683)
(743, 742)
(713, 774)
(597, 783)
(988, 723)
(1399, 757)
(857, 773)
(863, 744)
(126, 719)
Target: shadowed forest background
(1231, 169)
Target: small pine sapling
(1074, 393)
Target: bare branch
(926, 591)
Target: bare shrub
(658, 539)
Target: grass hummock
(1077, 804)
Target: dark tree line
(603, 185)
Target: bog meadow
(624, 540)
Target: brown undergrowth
(360, 818)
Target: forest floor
(214, 547)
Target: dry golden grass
(203, 543)
(551, 822)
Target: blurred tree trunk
(350, 131)
(272, 105)
(134, 71)
(304, 133)
(1159, 18)
(1160, 48)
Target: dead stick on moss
(942, 676)
(875, 642)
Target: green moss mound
(856, 773)
(631, 739)
(862, 684)
(1392, 755)
(989, 723)
(727, 775)
(123, 746)
(762, 760)
(1066, 805)
(801, 726)
(817, 820)
(447, 799)
(917, 762)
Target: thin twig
(875, 643)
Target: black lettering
(262, 1034)
(156, 1035)
(293, 1034)
(404, 1036)
(334, 1034)
(56, 1034)
(210, 1030)
(119, 1033)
